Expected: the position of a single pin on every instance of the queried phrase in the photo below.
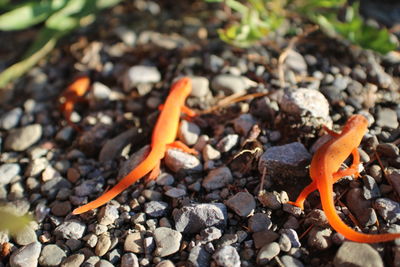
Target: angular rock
(217, 178)
(155, 208)
(243, 203)
(199, 257)
(167, 241)
(71, 229)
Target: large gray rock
(26, 256)
(22, 138)
(357, 255)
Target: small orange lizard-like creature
(324, 172)
(163, 138)
(74, 93)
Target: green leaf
(11, 222)
(29, 14)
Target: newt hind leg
(181, 146)
(154, 172)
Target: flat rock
(243, 203)
(243, 124)
(357, 254)
(25, 236)
(26, 256)
(22, 138)
(134, 242)
(167, 241)
(193, 218)
(387, 117)
(259, 222)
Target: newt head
(356, 121)
(183, 85)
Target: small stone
(108, 214)
(210, 234)
(296, 62)
(227, 256)
(26, 236)
(26, 256)
(61, 208)
(73, 244)
(320, 238)
(210, 153)
(141, 74)
(284, 243)
(217, 178)
(387, 118)
(167, 240)
(51, 255)
(193, 218)
(71, 229)
(199, 257)
(129, 260)
(49, 173)
(242, 203)
(73, 260)
(65, 135)
(200, 87)
(112, 148)
(361, 207)
(264, 237)
(370, 188)
(388, 209)
(100, 91)
(7, 172)
(103, 245)
(89, 187)
(11, 118)
(51, 187)
(317, 217)
(175, 192)
(227, 142)
(291, 261)
(155, 208)
(388, 150)
(177, 160)
(165, 179)
(231, 84)
(165, 263)
(293, 237)
(152, 194)
(267, 253)
(244, 123)
(104, 263)
(270, 200)
(357, 254)
(22, 138)
(36, 167)
(188, 132)
(393, 175)
(134, 242)
(259, 222)
(127, 35)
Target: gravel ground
(227, 206)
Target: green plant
(11, 222)
(59, 18)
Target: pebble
(242, 203)
(319, 238)
(165, 179)
(361, 207)
(36, 167)
(387, 118)
(210, 234)
(388, 150)
(22, 138)
(100, 91)
(104, 263)
(103, 245)
(267, 253)
(177, 160)
(152, 194)
(217, 178)
(357, 255)
(293, 237)
(26, 256)
(51, 187)
(370, 188)
(188, 132)
(26, 236)
(127, 35)
(231, 84)
(244, 123)
(10, 119)
(134, 242)
(167, 240)
(284, 243)
(210, 153)
(259, 222)
(113, 147)
(227, 256)
(285, 161)
(129, 260)
(306, 101)
(317, 217)
(270, 200)
(89, 187)
(51, 255)
(70, 229)
(296, 62)
(165, 263)
(200, 87)
(8, 171)
(388, 209)
(393, 176)
(155, 208)
(73, 260)
(65, 134)
(264, 237)
(108, 214)
(49, 173)
(61, 208)
(141, 74)
(199, 257)
(175, 192)
(227, 142)
(193, 218)
(290, 261)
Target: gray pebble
(319, 238)
(290, 261)
(231, 84)
(317, 217)
(227, 142)
(90, 186)
(152, 194)
(244, 123)
(127, 35)
(11, 118)
(134, 242)
(61, 208)
(141, 75)
(100, 91)
(104, 263)
(242, 203)
(177, 160)
(129, 260)
(22, 138)
(293, 237)
(65, 134)
(200, 87)
(361, 207)
(51, 255)
(73, 244)
(210, 234)
(199, 257)
(108, 214)
(71, 229)
(357, 254)
(193, 218)
(26, 256)
(175, 192)
(51, 187)
(388, 150)
(155, 208)
(103, 245)
(296, 62)
(393, 175)
(295, 211)
(26, 236)
(113, 147)
(73, 260)
(387, 117)
(270, 200)
(284, 243)
(388, 209)
(210, 153)
(188, 132)
(259, 222)
(165, 179)
(167, 240)
(7, 172)
(264, 237)
(227, 256)
(267, 253)
(217, 178)
(370, 188)
(36, 167)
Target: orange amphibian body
(74, 93)
(164, 135)
(324, 172)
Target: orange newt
(324, 172)
(163, 138)
(74, 93)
